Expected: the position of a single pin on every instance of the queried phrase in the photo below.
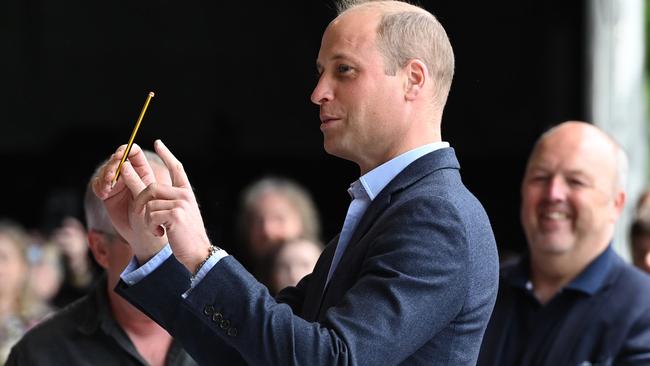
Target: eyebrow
(337, 56)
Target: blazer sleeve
(159, 296)
(412, 284)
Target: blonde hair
(299, 198)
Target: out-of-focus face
(46, 272)
(71, 238)
(361, 108)
(569, 193)
(273, 220)
(13, 267)
(293, 262)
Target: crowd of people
(55, 282)
(413, 277)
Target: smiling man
(572, 300)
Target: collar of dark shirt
(97, 314)
(589, 281)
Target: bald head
(572, 194)
(582, 135)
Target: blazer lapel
(427, 164)
(316, 289)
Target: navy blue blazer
(415, 286)
(609, 327)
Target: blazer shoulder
(631, 280)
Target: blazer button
(232, 332)
(217, 317)
(225, 324)
(208, 310)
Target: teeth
(556, 215)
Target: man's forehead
(343, 41)
(573, 158)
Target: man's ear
(619, 202)
(417, 74)
(97, 243)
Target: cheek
(528, 206)
(292, 225)
(13, 274)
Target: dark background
(232, 83)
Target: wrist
(144, 253)
(196, 266)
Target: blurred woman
(18, 309)
(274, 210)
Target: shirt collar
(589, 281)
(375, 180)
(98, 313)
(593, 277)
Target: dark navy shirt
(534, 325)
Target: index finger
(141, 165)
(179, 178)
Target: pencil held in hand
(135, 131)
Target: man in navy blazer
(571, 300)
(411, 278)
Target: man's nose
(557, 189)
(322, 92)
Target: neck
(151, 340)
(550, 272)
(408, 143)
(130, 318)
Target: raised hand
(136, 175)
(175, 208)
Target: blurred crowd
(43, 271)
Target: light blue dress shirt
(363, 191)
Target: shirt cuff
(134, 273)
(205, 268)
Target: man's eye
(343, 69)
(576, 182)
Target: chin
(552, 247)
(335, 150)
